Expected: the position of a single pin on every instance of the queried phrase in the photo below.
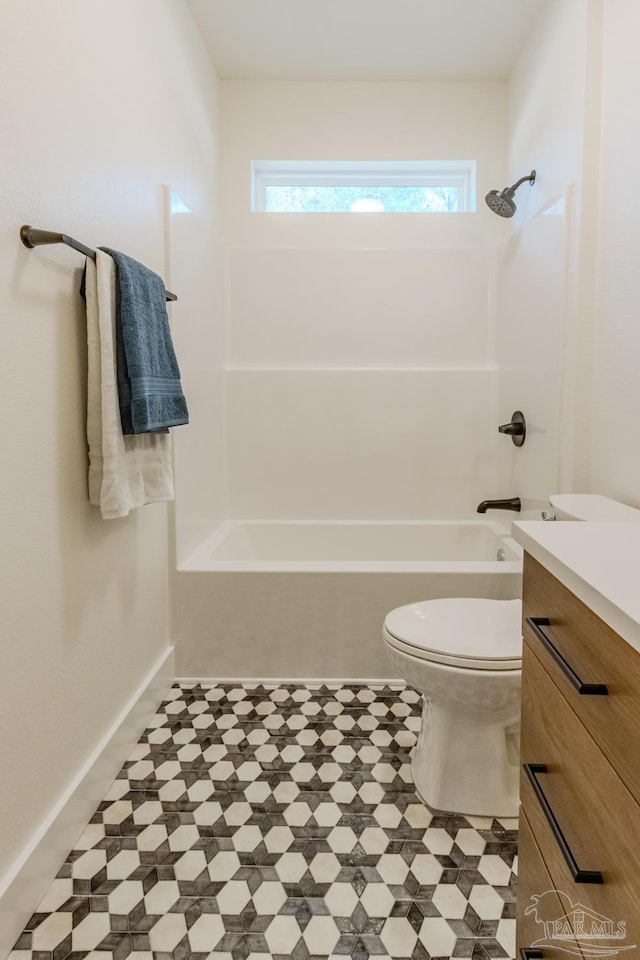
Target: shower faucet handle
(516, 429)
(513, 429)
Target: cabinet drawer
(598, 656)
(599, 818)
(538, 903)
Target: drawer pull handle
(531, 953)
(589, 689)
(579, 876)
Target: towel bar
(32, 237)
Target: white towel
(125, 472)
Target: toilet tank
(590, 506)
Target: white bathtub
(306, 600)
(424, 546)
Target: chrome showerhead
(502, 202)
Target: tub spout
(512, 504)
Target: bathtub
(306, 600)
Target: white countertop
(599, 562)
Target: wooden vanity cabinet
(580, 779)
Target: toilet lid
(477, 633)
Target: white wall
(101, 103)
(359, 121)
(546, 276)
(361, 379)
(615, 450)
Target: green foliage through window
(345, 199)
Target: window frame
(348, 173)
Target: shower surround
(348, 371)
(356, 386)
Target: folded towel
(124, 472)
(149, 389)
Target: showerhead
(502, 202)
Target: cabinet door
(597, 821)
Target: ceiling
(364, 39)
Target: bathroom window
(363, 187)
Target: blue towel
(149, 390)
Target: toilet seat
(463, 632)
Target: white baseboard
(303, 681)
(26, 882)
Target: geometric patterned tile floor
(278, 821)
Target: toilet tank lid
(592, 506)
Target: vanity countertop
(599, 562)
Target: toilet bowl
(464, 656)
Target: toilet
(464, 655)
